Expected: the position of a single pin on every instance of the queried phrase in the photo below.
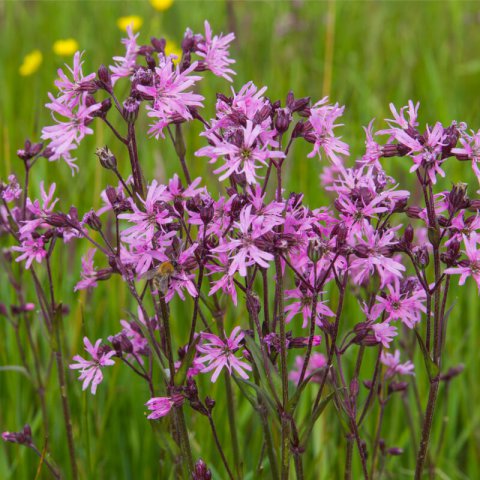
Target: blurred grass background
(362, 54)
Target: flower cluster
(289, 269)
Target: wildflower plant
(282, 268)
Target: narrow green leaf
(432, 368)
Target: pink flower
(148, 218)
(394, 365)
(91, 370)
(32, 249)
(72, 90)
(399, 117)
(374, 151)
(12, 190)
(124, 66)
(88, 273)
(470, 149)
(182, 279)
(304, 306)
(244, 154)
(38, 210)
(219, 354)
(214, 50)
(161, 406)
(384, 333)
(471, 266)
(317, 361)
(246, 251)
(322, 123)
(67, 134)
(375, 255)
(170, 101)
(403, 302)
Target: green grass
(381, 52)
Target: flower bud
(130, 109)
(408, 234)
(283, 119)
(201, 471)
(107, 158)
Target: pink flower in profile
(12, 190)
(374, 151)
(91, 370)
(170, 100)
(384, 333)
(67, 134)
(31, 249)
(220, 353)
(124, 66)
(88, 273)
(161, 406)
(244, 252)
(317, 361)
(394, 365)
(214, 50)
(470, 149)
(399, 116)
(471, 266)
(72, 90)
(322, 124)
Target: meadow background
(362, 54)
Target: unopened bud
(106, 157)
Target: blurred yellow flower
(31, 63)
(172, 48)
(65, 47)
(161, 5)
(134, 20)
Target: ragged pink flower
(31, 249)
(244, 250)
(88, 272)
(67, 134)
(183, 279)
(471, 266)
(124, 66)
(321, 133)
(214, 50)
(12, 191)
(220, 353)
(403, 302)
(170, 100)
(147, 219)
(471, 150)
(304, 305)
(374, 151)
(316, 363)
(91, 370)
(71, 90)
(373, 251)
(394, 365)
(161, 406)
(384, 333)
(244, 154)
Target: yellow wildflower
(161, 5)
(31, 63)
(65, 47)
(134, 20)
(172, 48)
